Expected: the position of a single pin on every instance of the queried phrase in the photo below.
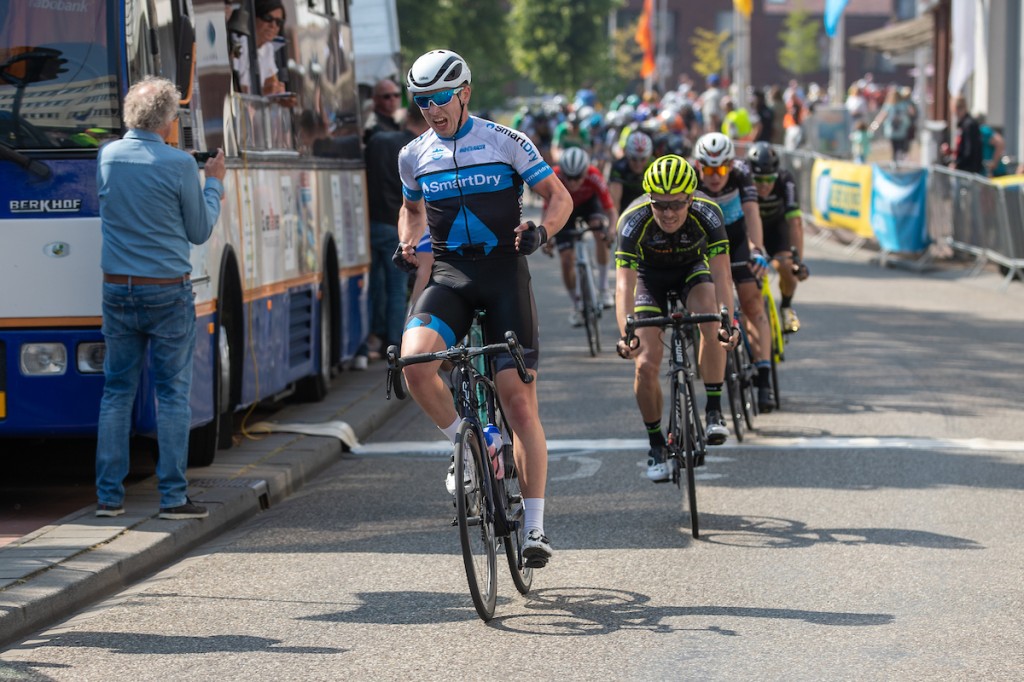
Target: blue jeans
(164, 319)
(388, 285)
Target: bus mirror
(186, 50)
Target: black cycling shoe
(765, 399)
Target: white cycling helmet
(714, 149)
(639, 145)
(574, 162)
(437, 70)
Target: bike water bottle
(494, 450)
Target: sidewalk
(52, 572)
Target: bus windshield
(58, 74)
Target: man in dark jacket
(968, 148)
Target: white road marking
(574, 446)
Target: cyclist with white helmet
(672, 239)
(463, 180)
(729, 185)
(591, 202)
(626, 179)
(783, 225)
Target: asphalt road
(869, 530)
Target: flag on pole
(645, 39)
(744, 7)
(961, 45)
(833, 10)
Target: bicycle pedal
(535, 562)
(454, 522)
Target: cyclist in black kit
(729, 185)
(463, 179)
(672, 239)
(626, 178)
(783, 225)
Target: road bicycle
(488, 498)
(687, 441)
(778, 353)
(589, 297)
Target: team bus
(279, 292)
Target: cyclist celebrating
(783, 225)
(463, 179)
(673, 240)
(729, 185)
(592, 202)
(626, 179)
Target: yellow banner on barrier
(841, 196)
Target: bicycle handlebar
(457, 354)
(676, 319)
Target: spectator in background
(860, 142)
(778, 107)
(388, 284)
(967, 149)
(793, 123)
(152, 206)
(763, 118)
(711, 105)
(895, 120)
(856, 104)
(387, 100)
(270, 18)
(993, 146)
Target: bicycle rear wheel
(522, 575)
(734, 385)
(476, 524)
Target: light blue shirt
(152, 206)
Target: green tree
(474, 29)
(707, 50)
(799, 54)
(561, 45)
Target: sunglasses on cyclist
(271, 19)
(677, 205)
(437, 99)
(711, 171)
(766, 179)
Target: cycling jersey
(589, 199)
(473, 186)
(668, 262)
(777, 208)
(632, 183)
(739, 189)
(644, 246)
(566, 137)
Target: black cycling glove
(531, 239)
(400, 262)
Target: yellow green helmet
(670, 174)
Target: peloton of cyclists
(673, 239)
(729, 185)
(592, 202)
(783, 226)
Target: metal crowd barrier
(970, 214)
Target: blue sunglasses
(438, 98)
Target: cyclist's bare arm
(721, 273)
(755, 229)
(412, 222)
(625, 287)
(796, 234)
(557, 204)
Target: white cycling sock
(533, 514)
(452, 429)
(602, 277)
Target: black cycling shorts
(500, 286)
(776, 237)
(588, 209)
(654, 285)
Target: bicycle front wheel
(689, 445)
(734, 384)
(475, 520)
(522, 575)
(589, 312)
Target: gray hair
(151, 104)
